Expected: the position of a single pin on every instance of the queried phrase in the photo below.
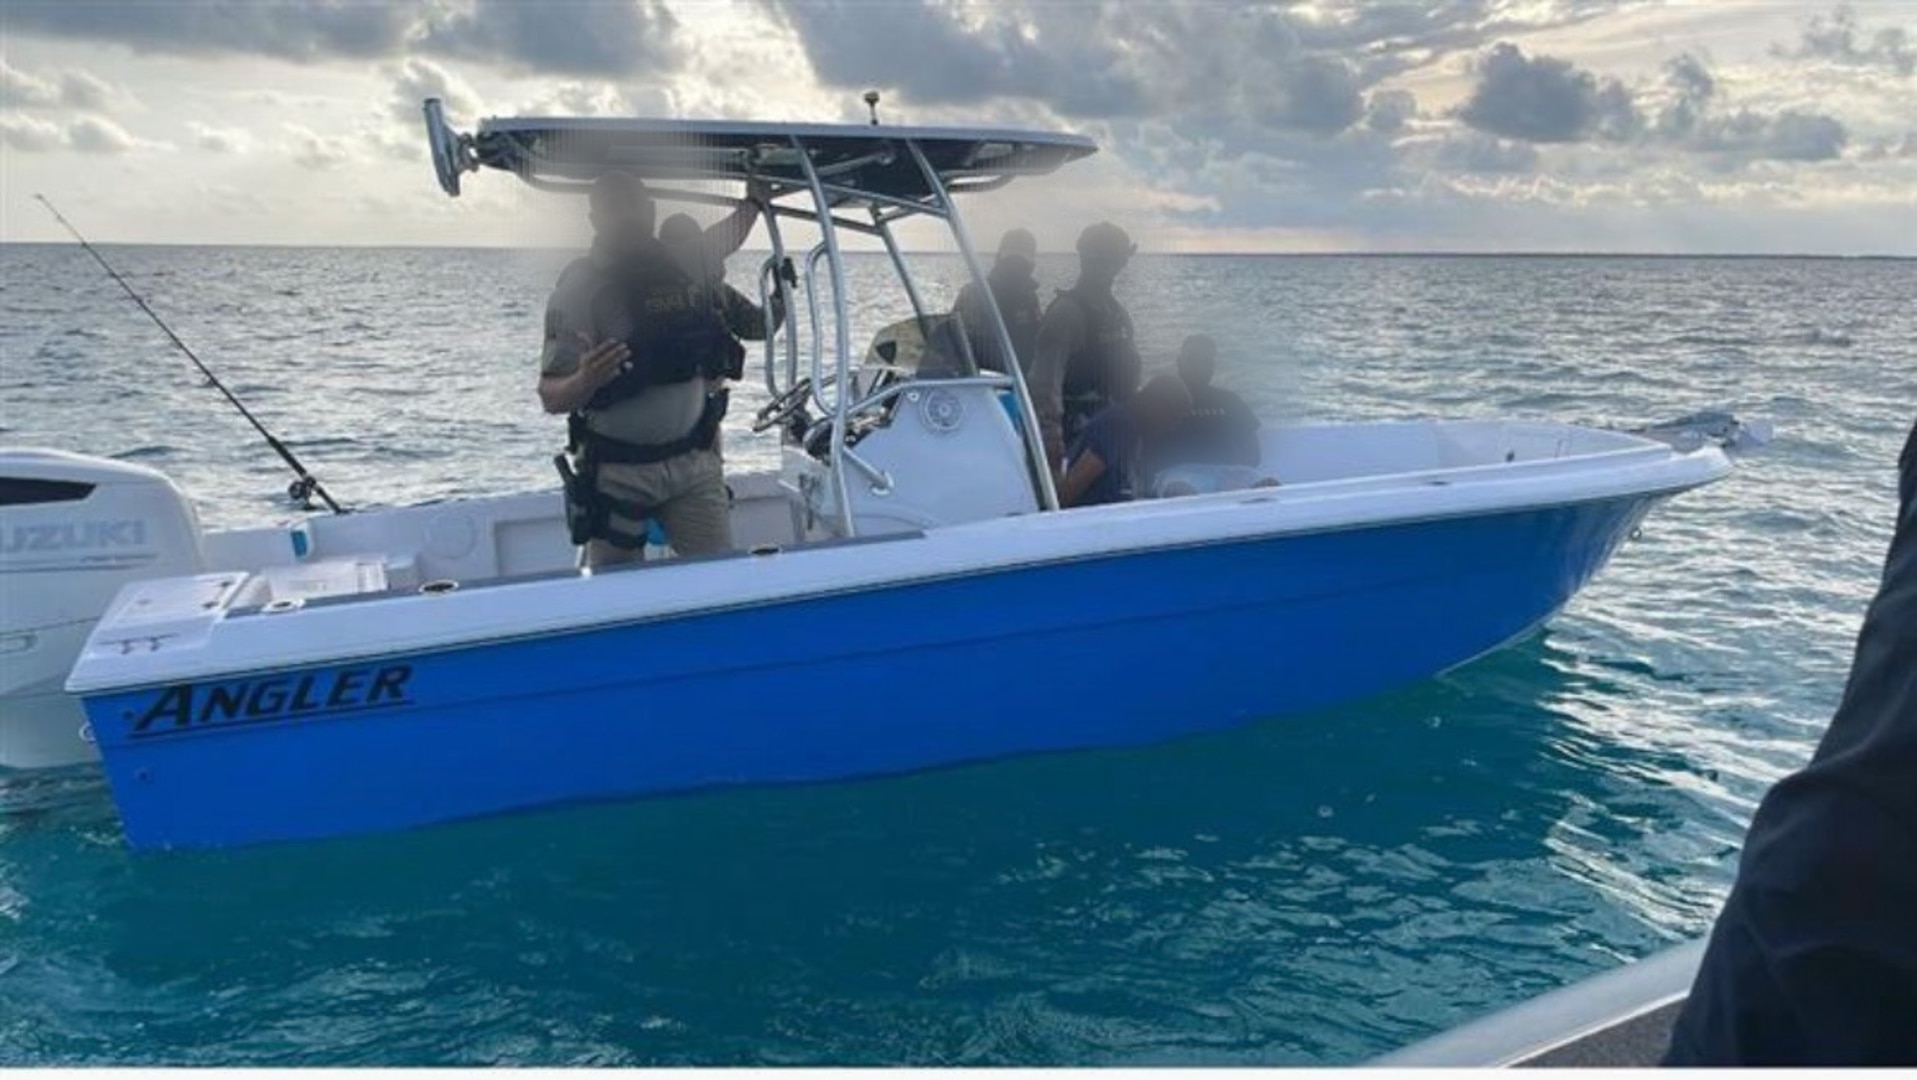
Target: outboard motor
(73, 530)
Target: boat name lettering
(280, 697)
(71, 535)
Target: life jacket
(678, 332)
(1104, 367)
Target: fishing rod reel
(301, 490)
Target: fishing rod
(305, 485)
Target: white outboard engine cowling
(73, 530)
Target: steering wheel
(782, 408)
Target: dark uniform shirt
(1016, 293)
(1221, 430)
(1112, 435)
(1814, 958)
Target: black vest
(1106, 364)
(678, 332)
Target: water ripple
(1307, 891)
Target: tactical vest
(678, 332)
(1105, 365)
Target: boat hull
(1115, 650)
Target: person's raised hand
(604, 362)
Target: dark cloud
(1547, 100)
(1691, 88)
(1837, 38)
(1225, 72)
(930, 52)
(1389, 111)
(294, 31)
(1785, 136)
(604, 38)
(1475, 152)
(569, 37)
(1690, 119)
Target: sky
(1716, 126)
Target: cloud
(1690, 119)
(1234, 75)
(1389, 111)
(416, 80)
(570, 37)
(1475, 152)
(1785, 136)
(215, 140)
(21, 90)
(82, 90)
(1837, 38)
(86, 135)
(1546, 100)
(306, 31)
(31, 134)
(314, 150)
(1691, 88)
(600, 99)
(73, 89)
(98, 135)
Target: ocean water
(1312, 889)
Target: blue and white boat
(908, 595)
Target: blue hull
(1102, 652)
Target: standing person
(1813, 960)
(1105, 462)
(637, 354)
(693, 248)
(1013, 285)
(1086, 358)
(1222, 429)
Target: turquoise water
(1317, 888)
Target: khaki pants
(687, 494)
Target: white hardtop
(872, 159)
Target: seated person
(1103, 464)
(1221, 430)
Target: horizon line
(1517, 253)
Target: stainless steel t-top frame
(814, 172)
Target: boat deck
(1636, 1043)
(1620, 1019)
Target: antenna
(872, 103)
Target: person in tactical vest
(638, 348)
(1085, 358)
(1013, 285)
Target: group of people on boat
(1107, 430)
(642, 335)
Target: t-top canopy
(853, 159)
